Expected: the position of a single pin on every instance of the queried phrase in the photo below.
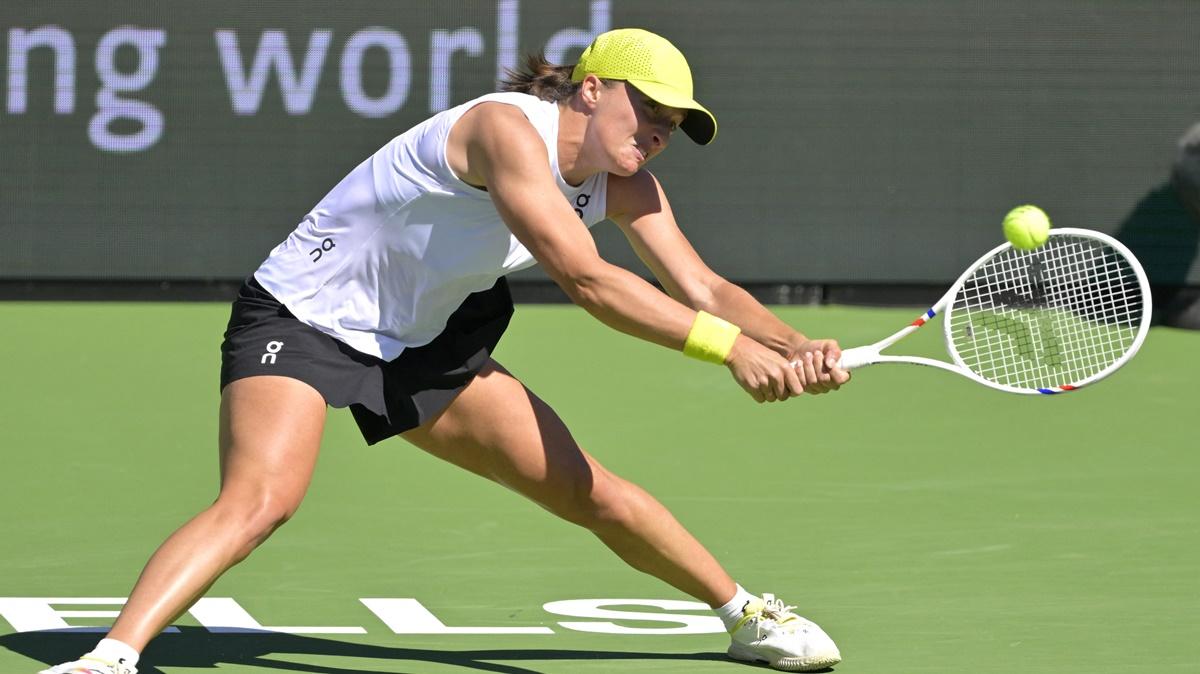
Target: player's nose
(660, 135)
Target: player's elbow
(701, 293)
(584, 282)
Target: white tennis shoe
(769, 632)
(90, 664)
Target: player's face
(633, 127)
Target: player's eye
(657, 113)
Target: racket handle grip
(856, 358)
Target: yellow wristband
(710, 338)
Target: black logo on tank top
(581, 203)
(326, 246)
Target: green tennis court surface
(929, 524)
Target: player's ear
(590, 90)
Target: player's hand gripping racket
(1044, 321)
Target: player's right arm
(499, 149)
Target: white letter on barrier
(246, 89)
(398, 81)
(20, 42)
(444, 44)
(111, 108)
(576, 38)
(507, 14)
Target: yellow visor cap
(653, 65)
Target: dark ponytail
(541, 78)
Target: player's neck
(572, 159)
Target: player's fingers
(837, 376)
(776, 386)
(812, 384)
(833, 354)
(779, 383)
(794, 385)
(824, 378)
(799, 372)
(798, 369)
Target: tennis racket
(1044, 321)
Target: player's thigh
(499, 429)
(270, 434)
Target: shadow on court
(196, 647)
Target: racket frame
(871, 354)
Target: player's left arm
(638, 205)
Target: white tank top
(385, 258)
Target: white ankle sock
(115, 651)
(731, 612)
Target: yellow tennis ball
(1026, 227)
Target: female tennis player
(390, 297)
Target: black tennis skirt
(385, 397)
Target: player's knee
(255, 518)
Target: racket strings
(1047, 318)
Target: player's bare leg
(269, 439)
(500, 430)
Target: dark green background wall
(868, 140)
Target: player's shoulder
(641, 181)
(494, 136)
(495, 121)
(634, 195)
